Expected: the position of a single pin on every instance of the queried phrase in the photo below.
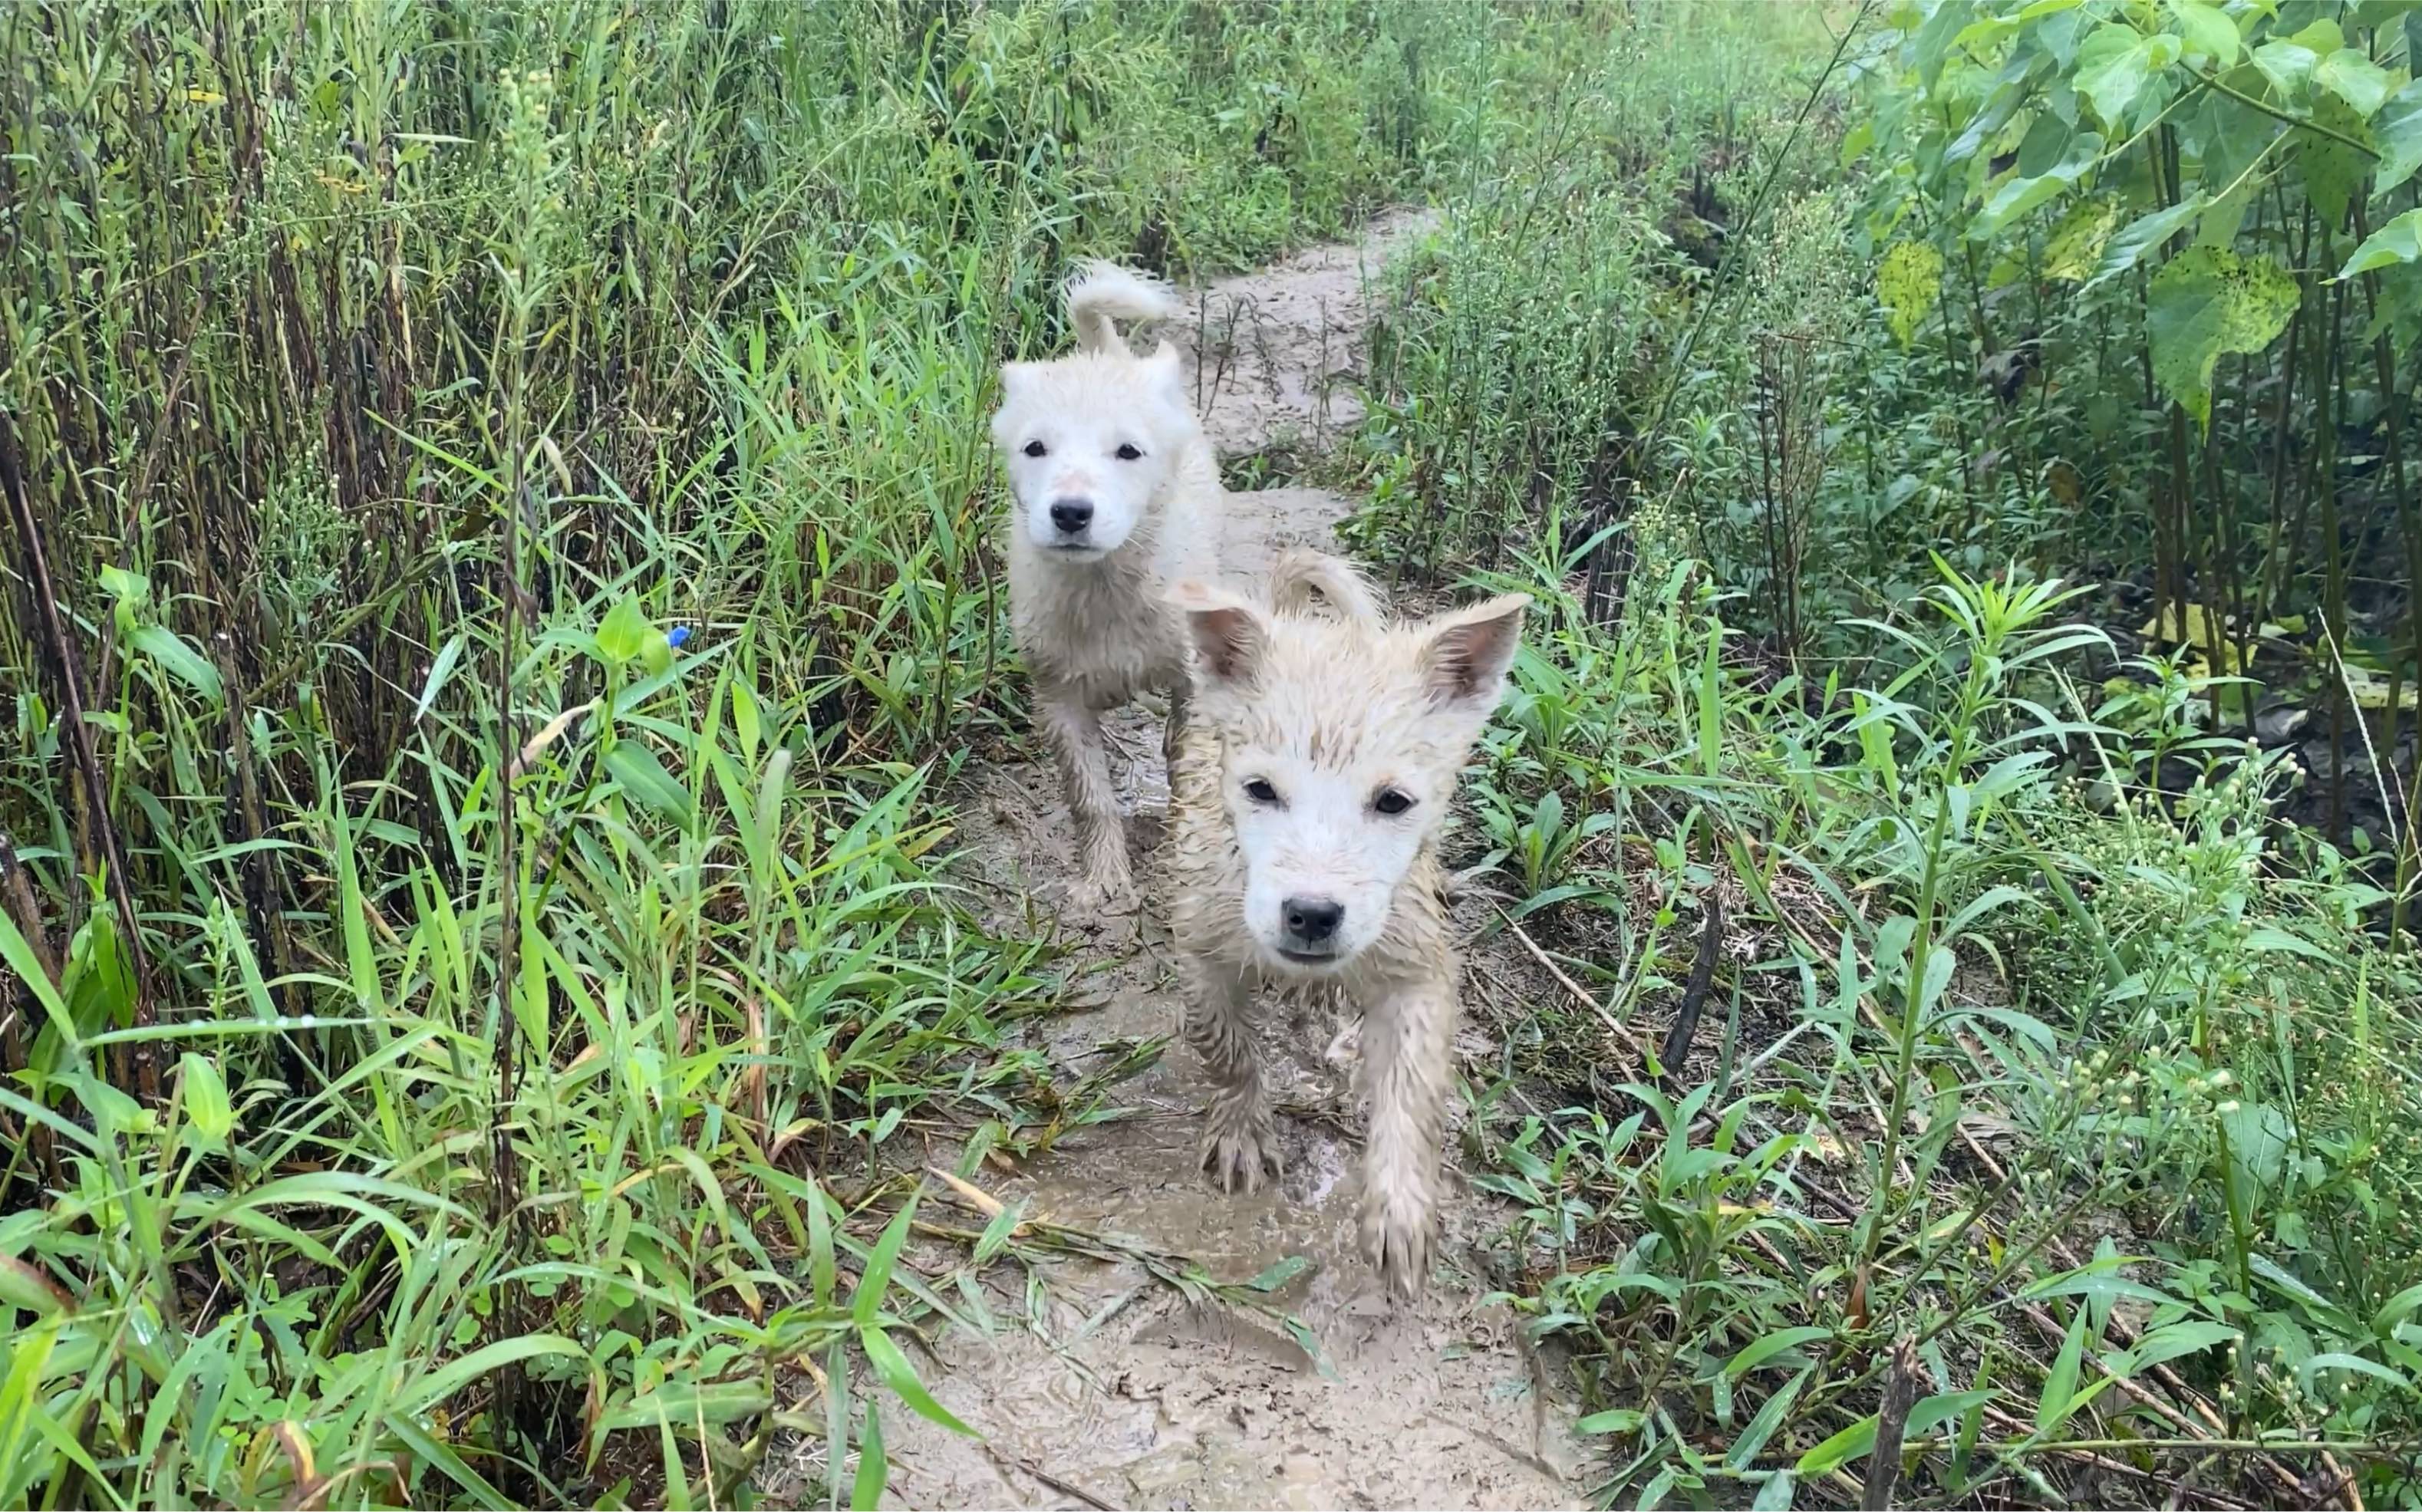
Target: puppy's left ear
(1166, 374)
(1465, 653)
(1228, 633)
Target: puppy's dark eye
(1127, 453)
(1261, 791)
(1036, 448)
(1392, 801)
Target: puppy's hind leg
(1238, 1140)
(1407, 1049)
(1103, 883)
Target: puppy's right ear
(1016, 381)
(1227, 632)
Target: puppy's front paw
(1397, 1240)
(1238, 1153)
(1099, 895)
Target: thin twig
(1639, 1052)
(1038, 1473)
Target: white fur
(1301, 725)
(1090, 606)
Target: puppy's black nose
(1072, 514)
(1311, 921)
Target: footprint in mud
(1125, 1395)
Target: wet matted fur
(1108, 440)
(1307, 795)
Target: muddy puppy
(1117, 495)
(1306, 800)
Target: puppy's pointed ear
(1227, 632)
(1465, 653)
(1166, 373)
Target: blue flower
(677, 637)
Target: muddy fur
(1314, 775)
(1114, 435)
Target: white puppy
(1306, 800)
(1117, 495)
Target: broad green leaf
(2045, 145)
(1934, 1412)
(2143, 234)
(2167, 1344)
(2400, 241)
(2396, 1309)
(2060, 1383)
(2258, 1139)
(744, 721)
(867, 1299)
(866, 1487)
(1613, 1420)
(1908, 282)
(2354, 78)
(1758, 1351)
(2016, 196)
(2397, 134)
(1753, 1438)
(1839, 1450)
(2076, 243)
(28, 1289)
(644, 779)
(898, 1374)
(1775, 1495)
(2357, 1363)
(420, 1395)
(178, 657)
(624, 633)
(130, 589)
(439, 670)
(686, 1402)
(2227, 214)
(2206, 30)
(2113, 68)
(1934, 40)
(2270, 939)
(2288, 67)
(2206, 301)
(206, 1100)
(2333, 171)
(2322, 37)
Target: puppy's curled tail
(1304, 581)
(1103, 294)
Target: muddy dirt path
(1126, 1394)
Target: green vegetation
(498, 595)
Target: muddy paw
(1097, 898)
(1396, 1242)
(1239, 1156)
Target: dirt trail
(1155, 1402)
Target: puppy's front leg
(1103, 883)
(1407, 1049)
(1237, 1137)
(1174, 731)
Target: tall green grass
(504, 487)
(2033, 1134)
